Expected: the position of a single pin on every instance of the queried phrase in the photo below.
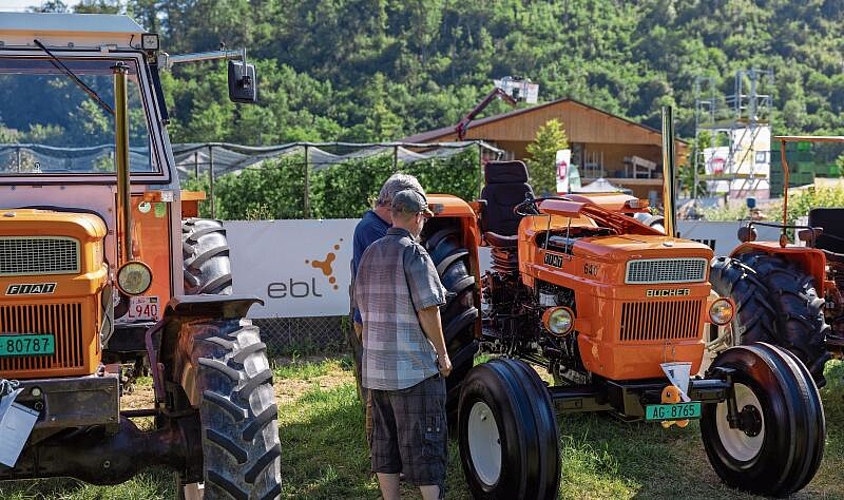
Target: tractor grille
(64, 321)
(650, 271)
(649, 321)
(38, 255)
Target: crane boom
(463, 125)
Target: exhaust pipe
(121, 153)
(669, 173)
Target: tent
(601, 185)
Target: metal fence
(304, 336)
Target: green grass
(324, 452)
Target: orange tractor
(788, 295)
(105, 275)
(615, 311)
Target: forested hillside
(367, 70)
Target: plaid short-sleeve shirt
(396, 278)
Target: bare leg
(430, 492)
(389, 484)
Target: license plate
(143, 308)
(27, 345)
(679, 411)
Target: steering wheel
(530, 206)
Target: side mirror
(242, 83)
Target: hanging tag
(16, 424)
(678, 374)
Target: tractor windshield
(50, 124)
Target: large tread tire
(459, 315)
(779, 452)
(228, 379)
(508, 435)
(232, 386)
(776, 302)
(205, 249)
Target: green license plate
(679, 411)
(26, 345)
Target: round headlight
(721, 311)
(558, 320)
(134, 278)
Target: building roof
(445, 132)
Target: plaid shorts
(409, 432)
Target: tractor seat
(505, 187)
(501, 241)
(832, 222)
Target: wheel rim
(484, 443)
(737, 443)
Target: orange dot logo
(325, 265)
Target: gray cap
(411, 201)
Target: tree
(550, 138)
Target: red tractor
(615, 311)
(788, 295)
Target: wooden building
(625, 153)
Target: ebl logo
(302, 289)
(31, 288)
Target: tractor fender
(810, 260)
(181, 308)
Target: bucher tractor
(615, 311)
(106, 274)
(788, 295)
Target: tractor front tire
(230, 381)
(205, 249)
(776, 302)
(508, 435)
(779, 445)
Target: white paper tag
(678, 374)
(16, 424)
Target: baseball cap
(411, 201)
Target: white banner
(563, 162)
(298, 267)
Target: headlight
(721, 311)
(558, 320)
(134, 278)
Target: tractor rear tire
(459, 315)
(780, 449)
(232, 387)
(205, 249)
(508, 435)
(776, 302)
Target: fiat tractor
(614, 311)
(106, 274)
(788, 295)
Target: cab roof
(68, 30)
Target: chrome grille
(654, 321)
(38, 255)
(649, 271)
(64, 321)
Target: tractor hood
(625, 247)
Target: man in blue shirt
(372, 226)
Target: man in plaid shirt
(398, 292)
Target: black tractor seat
(501, 241)
(832, 222)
